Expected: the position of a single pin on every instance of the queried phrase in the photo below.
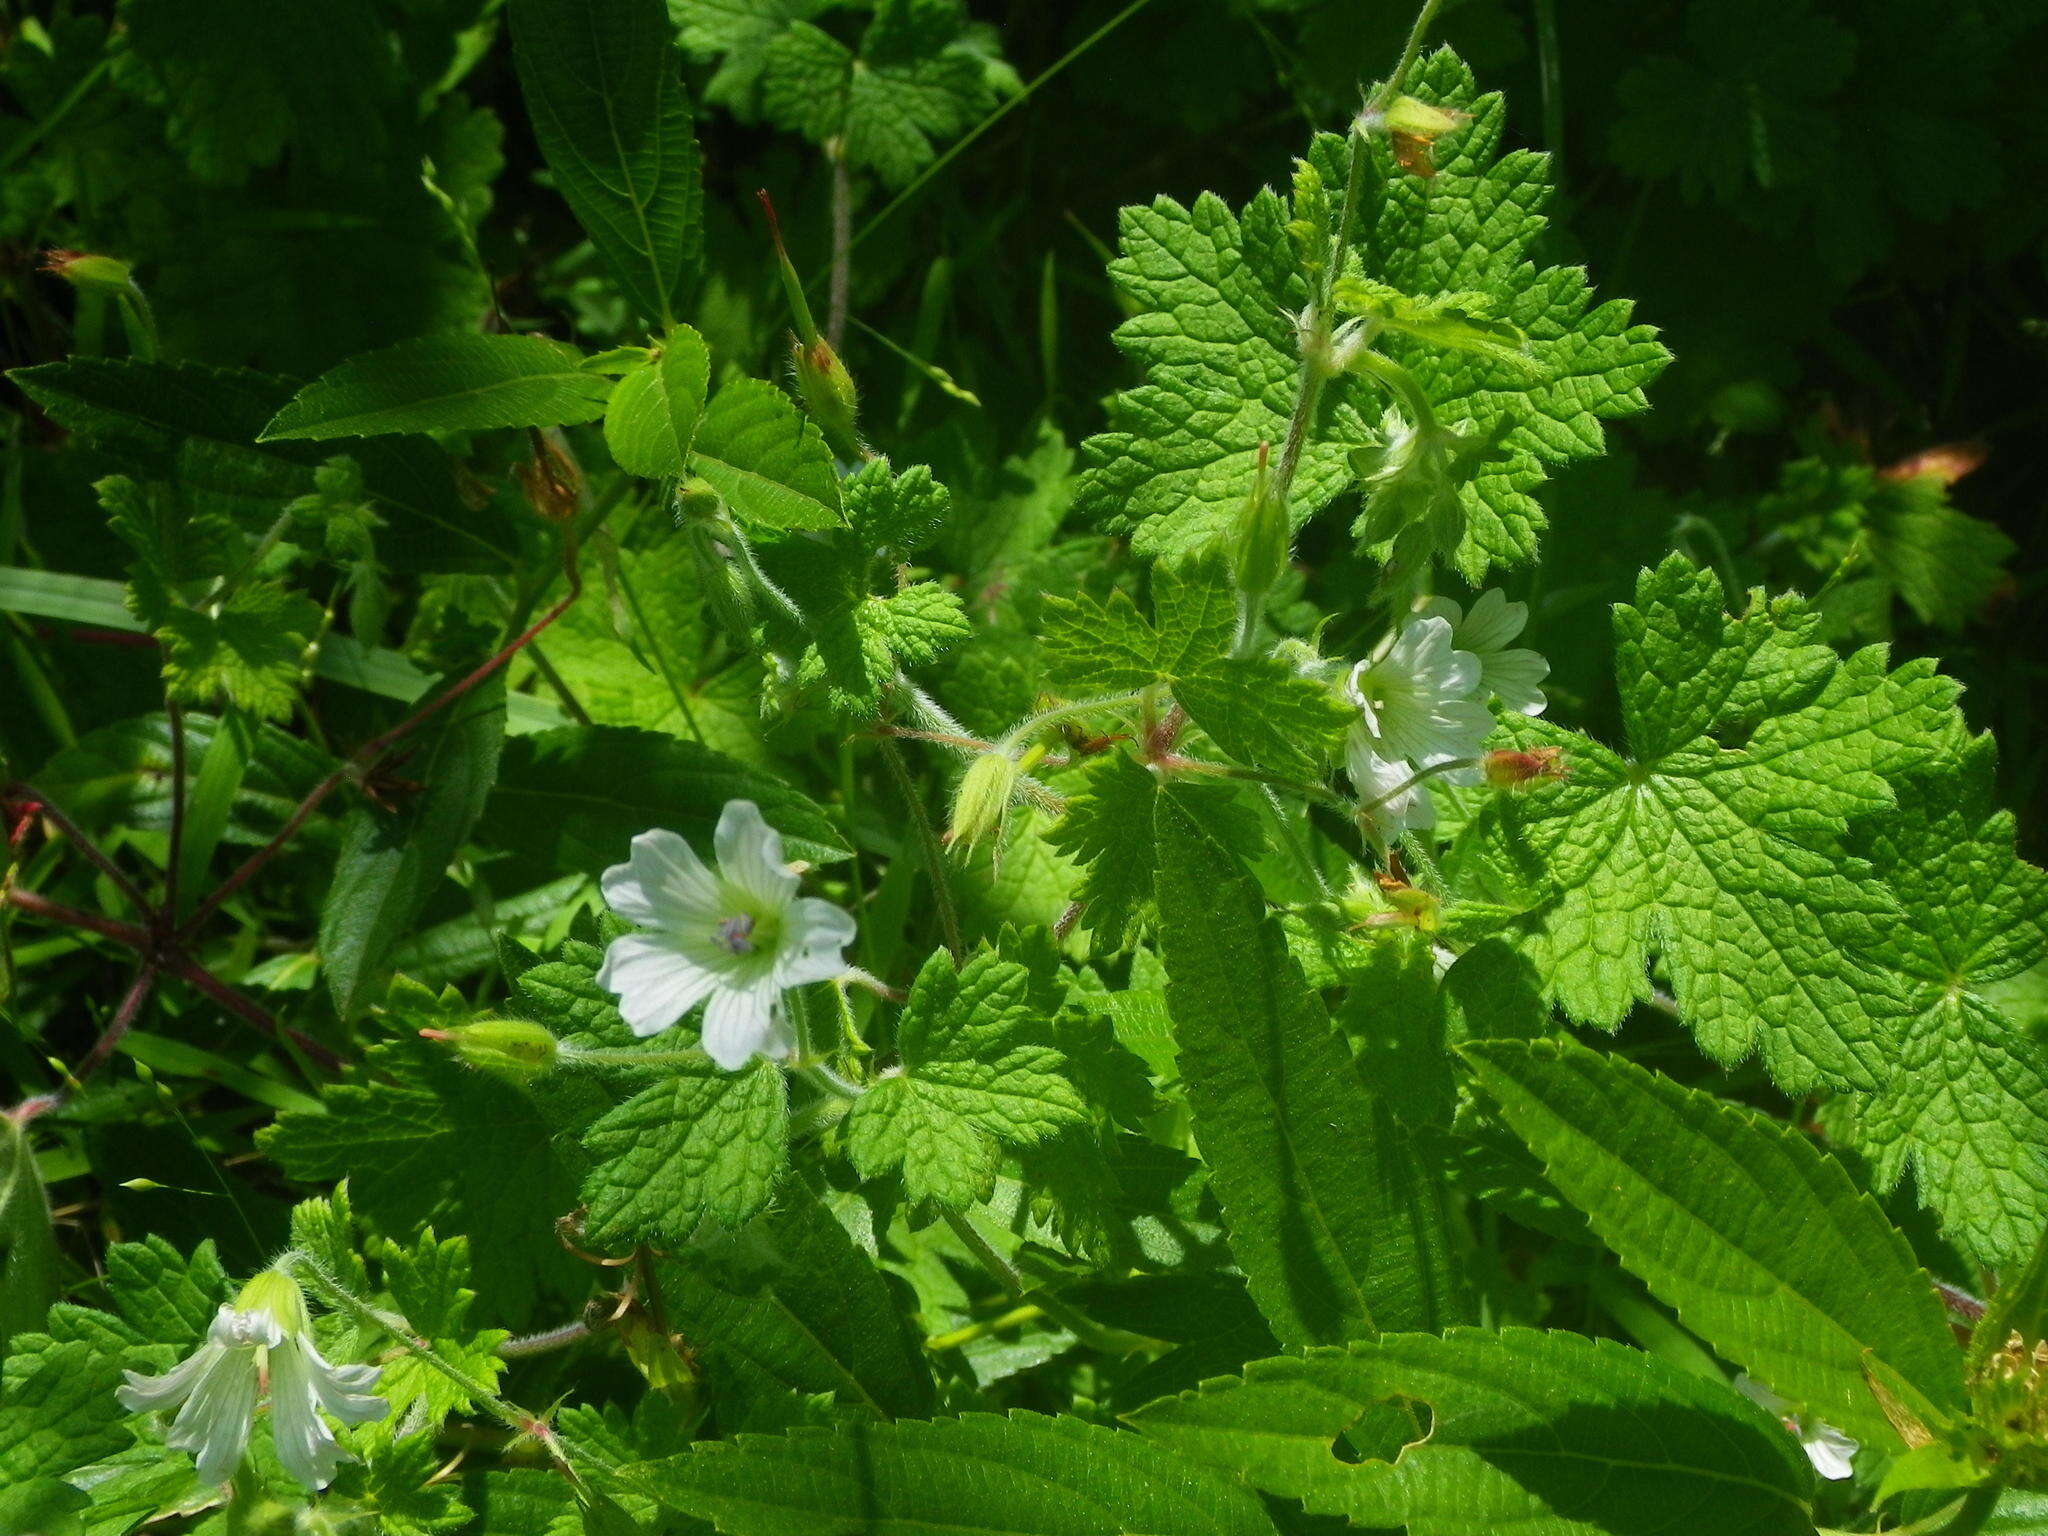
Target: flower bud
(551, 479)
(1412, 127)
(981, 805)
(511, 1048)
(107, 274)
(1263, 537)
(697, 502)
(829, 394)
(1509, 769)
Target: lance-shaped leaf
(1543, 1434)
(766, 458)
(605, 90)
(978, 1075)
(1760, 1243)
(1718, 843)
(1332, 1216)
(1019, 1475)
(391, 861)
(460, 381)
(1968, 1107)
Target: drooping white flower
(1514, 674)
(263, 1339)
(734, 938)
(1378, 785)
(1830, 1451)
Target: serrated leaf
(1216, 291)
(978, 1075)
(1550, 1434)
(1332, 1215)
(736, 33)
(391, 862)
(1019, 1475)
(702, 1142)
(574, 798)
(651, 417)
(895, 513)
(605, 91)
(428, 1281)
(1726, 860)
(248, 653)
(803, 1305)
(459, 381)
(766, 458)
(1968, 1106)
(428, 1141)
(1760, 1244)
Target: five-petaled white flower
(1513, 675)
(734, 938)
(1418, 707)
(261, 1341)
(1826, 1447)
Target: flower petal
(305, 1445)
(750, 854)
(148, 1394)
(662, 884)
(740, 1023)
(1492, 622)
(1831, 1452)
(343, 1390)
(214, 1424)
(1516, 678)
(655, 980)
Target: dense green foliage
(1265, 767)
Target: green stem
(1109, 1340)
(1026, 729)
(934, 852)
(1959, 1517)
(1422, 777)
(1409, 53)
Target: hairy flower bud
(1509, 769)
(1262, 537)
(107, 274)
(512, 1048)
(981, 805)
(829, 394)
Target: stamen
(735, 935)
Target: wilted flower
(1514, 676)
(734, 938)
(261, 1342)
(1826, 1447)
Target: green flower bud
(108, 274)
(1262, 537)
(829, 395)
(512, 1048)
(981, 805)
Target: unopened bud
(1263, 536)
(829, 394)
(981, 805)
(1412, 127)
(551, 479)
(697, 502)
(513, 1048)
(108, 274)
(1509, 769)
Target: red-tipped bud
(829, 394)
(1508, 769)
(514, 1048)
(106, 273)
(1948, 462)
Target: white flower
(1374, 779)
(1415, 696)
(1826, 1447)
(734, 939)
(1514, 676)
(264, 1334)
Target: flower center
(735, 935)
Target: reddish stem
(94, 854)
(169, 914)
(367, 754)
(189, 970)
(124, 1017)
(135, 938)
